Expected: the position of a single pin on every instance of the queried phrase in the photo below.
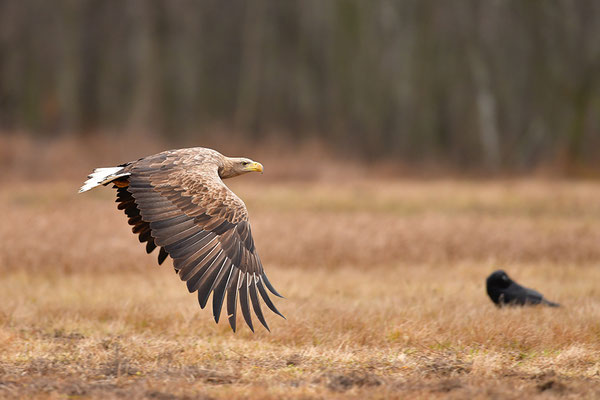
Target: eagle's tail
(102, 176)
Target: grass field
(384, 286)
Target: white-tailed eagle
(176, 201)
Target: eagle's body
(176, 200)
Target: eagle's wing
(179, 203)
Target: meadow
(384, 295)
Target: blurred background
(411, 147)
(472, 86)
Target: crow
(504, 291)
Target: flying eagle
(176, 200)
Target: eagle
(176, 201)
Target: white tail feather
(101, 176)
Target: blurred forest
(490, 84)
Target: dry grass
(384, 286)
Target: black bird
(504, 291)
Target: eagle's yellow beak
(255, 167)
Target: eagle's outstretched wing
(179, 203)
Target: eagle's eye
(245, 163)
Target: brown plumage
(176, 200)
